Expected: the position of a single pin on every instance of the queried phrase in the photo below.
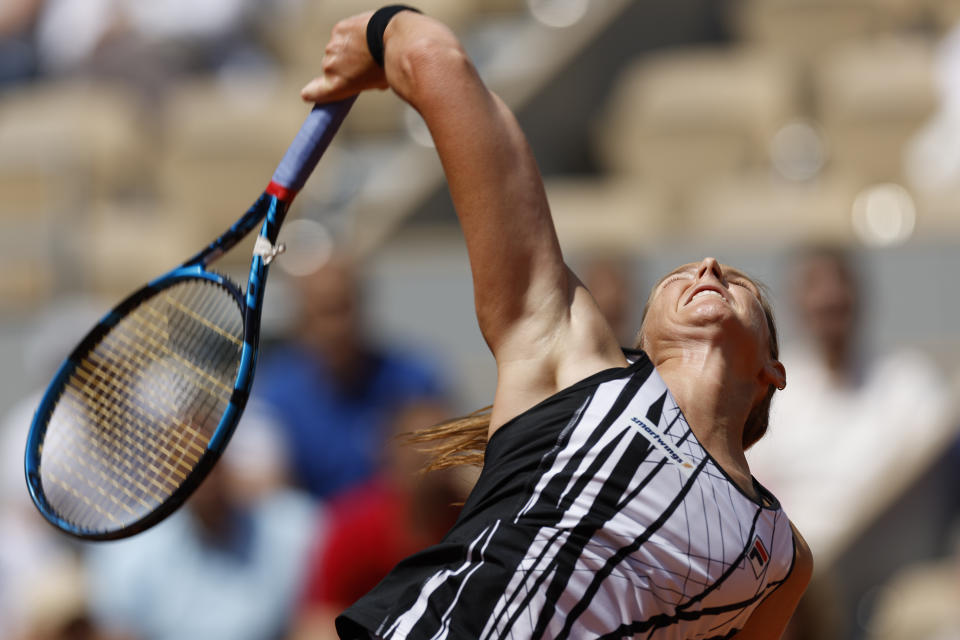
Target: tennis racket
(143, 407)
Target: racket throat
(267, 250)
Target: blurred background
(813, 143)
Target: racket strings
(139, 409)
(91, 395)
(92, 401)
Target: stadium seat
(96, 126)
(802, 29)
(938, 213)
(34, 212)
(871, 97)
(760, 207)
(126, 245)
(680, 117)
(63, 147)
(618, 215)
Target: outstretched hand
(348, 68)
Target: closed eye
(746, 284)
(679, 276)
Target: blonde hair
(460, 441)
(463, 441)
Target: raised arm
(542, 327)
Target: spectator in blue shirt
(332, 391)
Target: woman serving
(615, 500)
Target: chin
(725, 327)
(712, 313)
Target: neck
(715, 399)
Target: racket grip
(312, 140)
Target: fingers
(330, 87)
(347, 66)
(317, 90)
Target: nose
(710, 267)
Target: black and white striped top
(597, 515)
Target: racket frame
(270, 208)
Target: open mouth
(706, 292)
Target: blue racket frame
(271, 207)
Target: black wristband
(378, 24)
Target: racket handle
(312, 140)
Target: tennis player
(615, 500)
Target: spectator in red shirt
(382, 521)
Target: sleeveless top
(597, 515)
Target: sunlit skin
(707, 335)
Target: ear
(774, 373)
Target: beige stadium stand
(507, 7)
(607, 215)
(938, 213)
(35, 214)
(760, 207)
(682, 117)
(126, 245)
(63, 147)
(97, 127)
(802, 29)
(872, 96)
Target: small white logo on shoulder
(659, 440)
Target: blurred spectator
(56, 607)
(333, 391)
(227, 566)
(374, 526)
(18, 51)
(30, 549)
(839, 427)
(848, 431)
(147, 44)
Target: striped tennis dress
(597, 515)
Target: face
(330, 314)
(827, 300)
(707, 301)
